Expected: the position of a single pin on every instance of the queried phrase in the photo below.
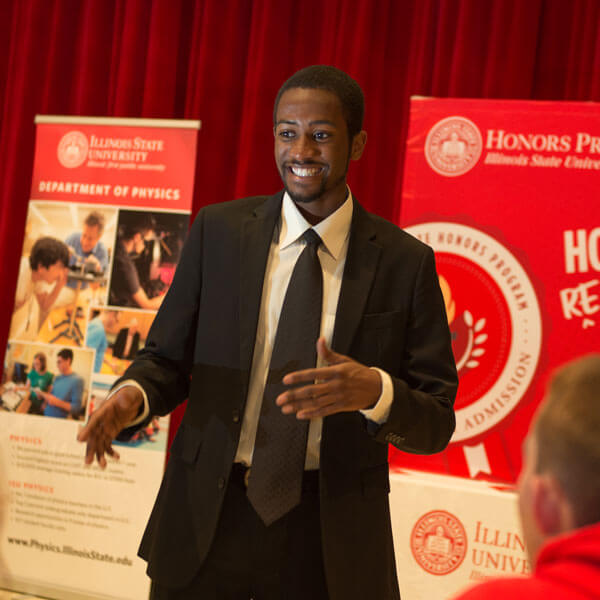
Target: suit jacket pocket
(380, 340)
(186, 444)
(375, 481)
(385, 320)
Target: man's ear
(551, 508)
(358, 145)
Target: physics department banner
(107, 217)
(506, 194)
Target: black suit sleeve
(164, 365)
(422, 418)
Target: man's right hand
(107, 421)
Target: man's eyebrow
(322, 122)
(317, 122)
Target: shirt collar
(333, 230)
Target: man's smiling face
(312, 149)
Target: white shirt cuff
(135, 384)
(381, 411)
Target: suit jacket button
(236, 415)
(221, 483)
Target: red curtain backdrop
(222, 61)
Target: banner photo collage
(108, 215)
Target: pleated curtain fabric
(275, 483)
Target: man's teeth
(305, 171)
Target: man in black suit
(384, 374)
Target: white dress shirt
(286, 247)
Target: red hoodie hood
(568, 568)
(573, 560)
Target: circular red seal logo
(72, 149)
(495, 322)
(453, 146)
(438, 542)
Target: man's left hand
(343, 385)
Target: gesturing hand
(341, 386)
(107, 421)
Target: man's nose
(304, 147)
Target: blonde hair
(567, 431)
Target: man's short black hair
(47, 251)
(66, 354)
(331, 79)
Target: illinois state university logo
(453, 146)
(495, 322)
(72, 149)
(438, 542)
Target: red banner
(146, 163)
(504, 192)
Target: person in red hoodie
(559, 493)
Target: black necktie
(275, 483)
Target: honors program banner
(112, 198)
(506, 194)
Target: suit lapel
(337, 446)
(359, 272)
(256, 236)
